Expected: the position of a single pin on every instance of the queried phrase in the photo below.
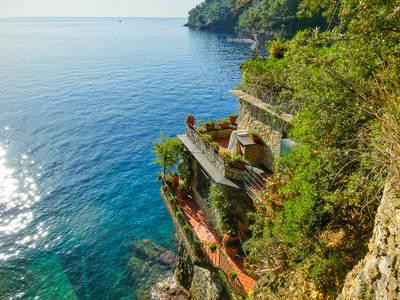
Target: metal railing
(217, 258)
(206, 148)
(254, 183)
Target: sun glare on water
(17, 196)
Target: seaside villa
(228, 164)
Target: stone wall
(209, 212)
(200, 282)
(269, 127)
(254, 154)
(283, 285)
(221, 133)
(377, 275)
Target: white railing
(254, 183)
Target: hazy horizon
(96, 8)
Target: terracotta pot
(224, 126)
(190, 121)
(175, 180)
(238, 165)
(184, 194)
(210, 127)
(233, 120)
(231, 244)
(255, 138)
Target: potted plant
(254, 135)
(215, 146)
(231, 242)
(168, 181)
(175, 178)
(232, 118)
(238, 162)
(173, 199)
(159, 176)
(187, 228)
(232, 274)
(189, 120)
(213, 247)
(197, 247)
(200, 130)
(224, 123)
(206, 137)
(165, 187)
(225, 155)
(210, 125)
(184, 190)
(179, 215)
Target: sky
(96, 8)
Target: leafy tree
(168, 152)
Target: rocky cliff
(200, 282)
(377, 275)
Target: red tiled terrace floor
(223, 142)
(204, 232)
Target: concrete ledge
(206, 164)
(262, 105)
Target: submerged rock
(166, 288)
(149, 250)
(143, 273)
(149, 264)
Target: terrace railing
(206, 148)
(217, 258)
(254, 183)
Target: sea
(81, 100)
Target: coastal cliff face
(199, 282)
(377, 275)
(290, 284)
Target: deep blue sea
(76, 190)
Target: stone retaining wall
(269, 127)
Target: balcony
(202, 142)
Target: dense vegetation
(252, 16)
(212, 14)
(342, 86)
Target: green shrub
(209, 123)
(168, 181)
(183, 187)
(253, 133)
(232, 116)
(215, 145)
(238, 159)
(212, 246)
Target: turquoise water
(75, 188)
